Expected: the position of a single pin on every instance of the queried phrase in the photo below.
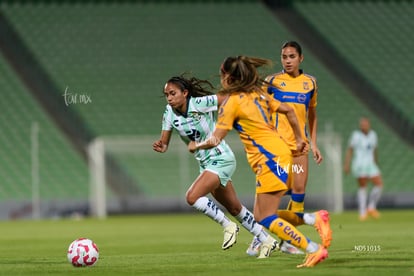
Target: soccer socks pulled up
(362, 201)
(374, 197)
(297, 218)
(290, 216)
(246, 218)
(287, 232)
(297, 203)
(210, 209)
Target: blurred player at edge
(362, 146)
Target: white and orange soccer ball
(83, 252)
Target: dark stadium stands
(375, 36)
(63, 174)
(118, 56)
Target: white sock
(312, 247)
(309, 219)
(210, 209)
(374, 197)
(246, 218)
(362, 201)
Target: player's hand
(192, 147)
(159, 146)
(301, 146)
(317, 156)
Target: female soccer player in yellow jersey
(191, 111)
(298, 90)
(249, 110)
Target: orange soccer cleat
(314, 258)
(323, 227)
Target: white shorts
(365, 170)
(224, 167)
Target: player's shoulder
(206, 98)
(168, 108)
(309, 76)
(356, 133)
(203, 102)
(373, 133)
(235, 99)
(273, 76)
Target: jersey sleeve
(274, 104)
(227, 114)
(353, 140)
(167, 119)
(375, 139)
(205, 104)
(314, 99)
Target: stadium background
(116, 55)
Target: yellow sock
(289, 233)
(289, 207)
(298, 207)
(290, 217)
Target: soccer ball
(83, 252)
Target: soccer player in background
(249, 109)
(192, 112)
(298, 90)
(362, 153)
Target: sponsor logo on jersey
(301, 98)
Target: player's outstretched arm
(161, 145)
(209, 143)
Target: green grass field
(190, 244)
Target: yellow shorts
(293, 148)
(274, 175)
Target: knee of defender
(234, 210)
(191, 199)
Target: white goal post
(161, 180)
(330, 144)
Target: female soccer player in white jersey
(191, 111)
(363, 148)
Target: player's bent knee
(234, 210)
(191, 198)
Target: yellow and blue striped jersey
(251, 115)
(300, 93)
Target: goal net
(127, 176)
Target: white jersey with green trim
(197, 124)
(364, 147)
